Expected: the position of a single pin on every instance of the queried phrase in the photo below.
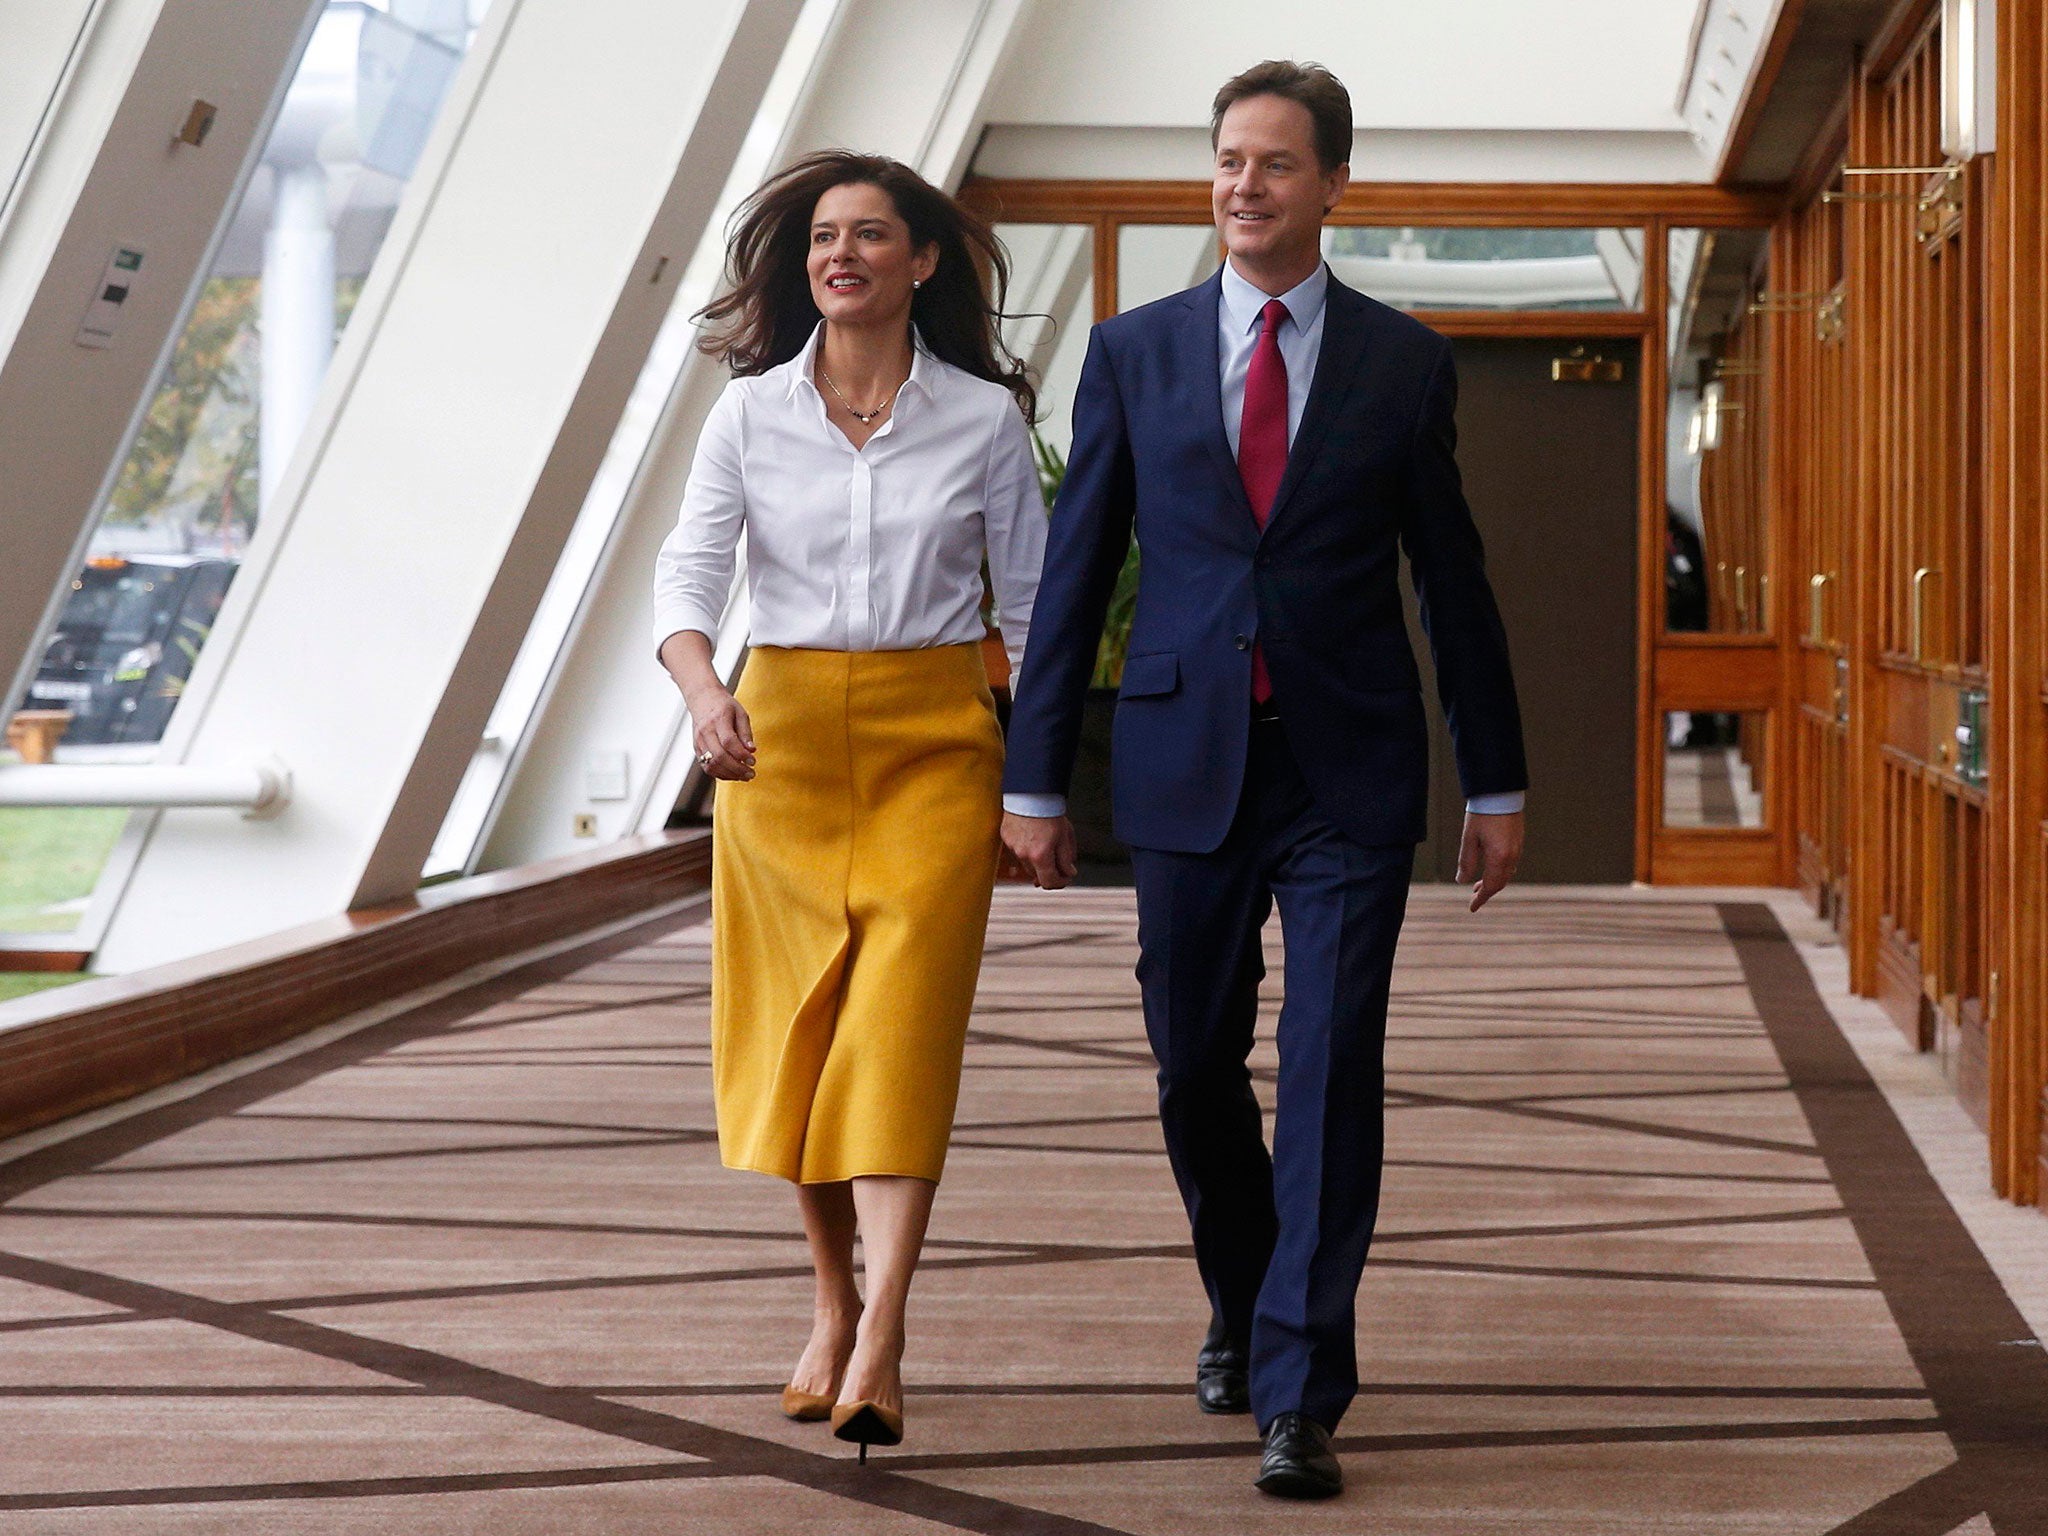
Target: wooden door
(1812, 469)
(1550, 470)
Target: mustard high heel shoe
(806, 1407)
(866, 1424)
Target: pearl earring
(917, 282)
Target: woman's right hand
(725, 737)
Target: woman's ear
(925, 263)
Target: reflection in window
(1716, 572)
(1154, 260)
(1714, 769)
(1051, 306)
(226, 414)
(1412, 268)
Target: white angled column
(298, 314)
(466, 411)
(901, 77)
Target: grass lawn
(21, 983)
(49, 856)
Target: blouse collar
(924, 367)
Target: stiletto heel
(866, 1424)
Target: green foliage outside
(1123, 598)
(198, 438)
(50, 857)
(21, 983)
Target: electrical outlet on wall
(584, 824)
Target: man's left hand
(1489, 853)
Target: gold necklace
(863, 417)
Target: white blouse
(870, 549)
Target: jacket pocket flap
(1147, 676)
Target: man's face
(1270, 192)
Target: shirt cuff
(1040, 805)
(1496, 805)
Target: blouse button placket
(860, 558)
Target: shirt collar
(924, 367)
(1242, 300)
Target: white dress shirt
(1301, 343)
(871, 549)
(1238, 318)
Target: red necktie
(1262, 442)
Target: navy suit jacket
(1371, 471)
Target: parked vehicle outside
(125, 643)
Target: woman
(874, 447)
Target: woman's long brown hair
(768, 314)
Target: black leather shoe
(1222, 1375)
(1298, 1463)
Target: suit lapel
(1202, 361)
(1344, 328)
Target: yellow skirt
(850, 887)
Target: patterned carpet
(1654, 1257)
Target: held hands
(1489, 853)
(725, 737)
(1044, 847)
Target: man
(1273, 437)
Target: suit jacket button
(1243, 642)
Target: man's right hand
(1044, 845)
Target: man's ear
(1333, 187)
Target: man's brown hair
(1314, 87)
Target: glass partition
(1717, 576)
(1469, 268)
(1714, 769)
(1154, 260)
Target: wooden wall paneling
(1867, 807)
(2016, 662)
(99, 1041)
(2025, 1026)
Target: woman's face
(861, 262)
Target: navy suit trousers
(1280, 1237)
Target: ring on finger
(704, 759)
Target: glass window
(1714, 769)
(1717, 536)
(1154, 260)
(227, 413)
(1051, 306)
(42, 40)
(1416, 268)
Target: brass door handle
(1816, 601)
(1919, 609)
